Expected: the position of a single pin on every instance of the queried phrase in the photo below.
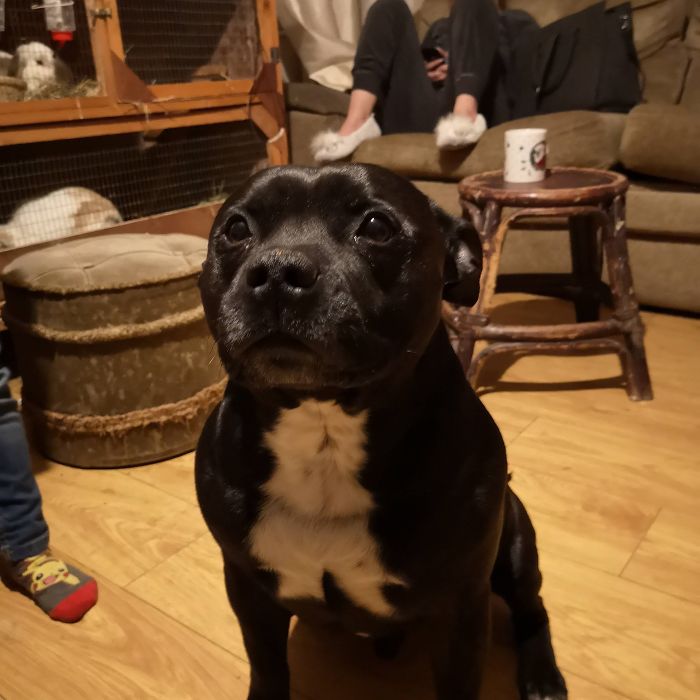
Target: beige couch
(657, 145)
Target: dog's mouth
(281, 350)
(279, 360)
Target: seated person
(454, 83)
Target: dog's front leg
(459, 649)
(265, 627)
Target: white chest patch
(316, 516)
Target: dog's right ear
(463, 258)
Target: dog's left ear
(463, 258)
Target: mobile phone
(430, 53)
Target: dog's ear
(463, 258)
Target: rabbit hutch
(121, 110)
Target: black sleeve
(473, 44)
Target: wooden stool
(592, 201)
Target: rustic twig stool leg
(492, 234)
(586, 265)
(626, 308)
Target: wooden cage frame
(129, 105)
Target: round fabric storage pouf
(118, 367)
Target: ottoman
(117, 363)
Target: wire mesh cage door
(189, 41)
(64, 188)
(46, 59)
(188, 49)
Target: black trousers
(389, 64)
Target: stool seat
(561, 186)
(593, 202)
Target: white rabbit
(61, 213)
(38, 66)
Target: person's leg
(23, 530)
(390, 76)
(361, 107)
(389, 64)
(477, 71)
(63, 591)
(475, 74)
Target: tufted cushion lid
(118, 261)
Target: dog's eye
(237, 229)
(376, 228)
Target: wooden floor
(613, 488)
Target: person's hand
(437, 69)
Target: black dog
(350, 474)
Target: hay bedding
(56, 91)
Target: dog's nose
(287, 272)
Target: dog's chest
(315, 519)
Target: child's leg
(23, 530)
(63, 591)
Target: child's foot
(331, 145)
(62, 591)
(456, 131)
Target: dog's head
(328, 279)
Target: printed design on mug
(538, 156)
(525, 155)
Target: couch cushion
(692, 35)
(663, 141)
(584, 139)
(664, 210)
(691, 91)
(656, 22)
(312, 97)
(665, 73)
(118, 261)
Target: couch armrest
(316, 99)
(663, 141)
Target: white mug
(526, 155)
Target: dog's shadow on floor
(330, 664)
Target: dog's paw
(258, 695)
(543, 682)
(538, 675)
(455, 131)
(549, 693)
